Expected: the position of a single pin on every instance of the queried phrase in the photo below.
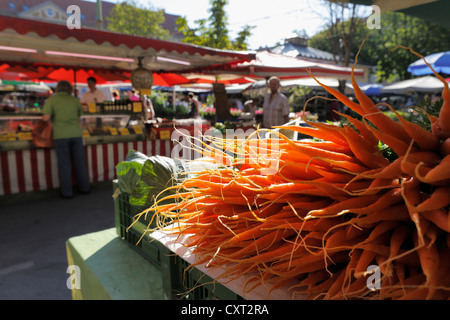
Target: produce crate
(184, 282)
(179, 281)
(124, 216)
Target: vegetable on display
(315, 223)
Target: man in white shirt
(93, 95)
(276, 106)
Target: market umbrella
(372, 89)
(78, 76)
(7, 73)
(268, 64)
(422, 84)
(169, 79)
(21, 69)
(227, 79)
(107, 75)
(159, 79)
(440, 62)
(24, 73)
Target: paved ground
(33, 233)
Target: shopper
(193, 103)
(64, 111)
(276, 106)
(251, 106)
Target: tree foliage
(131, 18)
(401, 29)
(396, 29)
(213, 31)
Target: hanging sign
(141, 78)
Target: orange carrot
(344, 206)
(317, 133)
(445, 147)
(410, 161)
(320, 153)
(429, 259)
(385, 201)
(341, 97)
(330, 146)
(391, 171)
(395, 213)
(426, 140)
(439, 217)
(398, 145)
(370, 157)
(362, 128)
(399, 235)
(297, 171)
(374, 115)
(440, 198)
(442, 129)
(439, 173)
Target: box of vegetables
(140, 179)
(337, 219)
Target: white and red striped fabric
(37, 169)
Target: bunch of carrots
(317, 222)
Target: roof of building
(23, 8)
(298, 48)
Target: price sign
(12, 136)
(124, 131)
(24, 136)
(86, 134)
(116, 193)
(113, 131)
(137, 107)
(164, 134)
(92, 108)
(138, 129)
(147, 92)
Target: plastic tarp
(422, 84)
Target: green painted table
(102, 266)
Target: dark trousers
(71, 151)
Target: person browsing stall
(250, 106)
(64, 111)
(276, 106)
(193, 103)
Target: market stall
(266, 64)
(49, 51)
(335, 217)
(35, 169)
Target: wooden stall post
(221, 102)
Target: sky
(274, 20)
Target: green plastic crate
(178, 280)
(182, 282)
(124, 216)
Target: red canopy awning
(43, 43)
(50, 74)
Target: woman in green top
(64, 111)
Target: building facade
(55, 12)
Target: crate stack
(180, 281)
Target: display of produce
(19, 126)
(334, 218)
(115, 107)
